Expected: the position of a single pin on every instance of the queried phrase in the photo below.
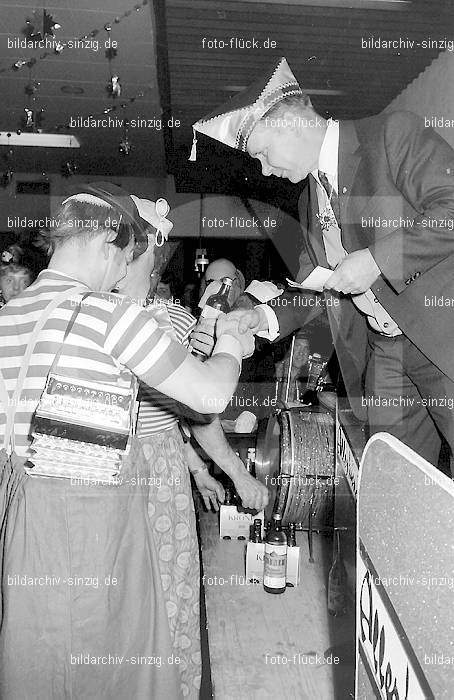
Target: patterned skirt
(172, 517)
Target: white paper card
(314, 281)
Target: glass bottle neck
(225, 288)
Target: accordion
(81, 429)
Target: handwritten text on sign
(382, 641)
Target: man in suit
(379, 211)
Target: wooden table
(264, 646)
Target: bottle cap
(277, 516)
(227, 280)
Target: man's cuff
(273, 324)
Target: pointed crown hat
(233, 122)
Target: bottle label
(209, 312)
(336, 596)
(275, 565)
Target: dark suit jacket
(396, 192)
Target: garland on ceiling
(44, 25)
(37, 29)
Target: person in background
(210, 284)
(190, 297)
(19, 267)
(40, 241)
(216, 271)
(12, 254)
(165, 290)
(14, 278)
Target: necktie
(332, 195)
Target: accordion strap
(68, 330)
(11, 404)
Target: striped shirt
(156, 411)
(111, 339)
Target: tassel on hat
(193, 155)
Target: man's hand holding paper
(354, 274)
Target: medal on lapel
(327, 219)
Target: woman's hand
(227, 324)
(202, 337)
(253, 493)
(212, 491)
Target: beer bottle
(337, 581)
(215, 305)
(228, 497)
(250, 460)
(274, 575)
(218, 303)
(316, 368)
(291, 536)
(293, 557)
(255, 554)
(257, 531)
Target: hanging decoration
(32, 88)
(125, 144)
(68, 168)
(201, 261)
(32, 119)
(42, 25)
(29, 62)
(201, 258)
(113, 86)
(46, 23)
(7, 176)
(107, 110)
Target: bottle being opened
(275, 563)
(316, 368)
(250, 460)
(291, 536)
(256, 533)
(215, 305)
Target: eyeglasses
(207, 282)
